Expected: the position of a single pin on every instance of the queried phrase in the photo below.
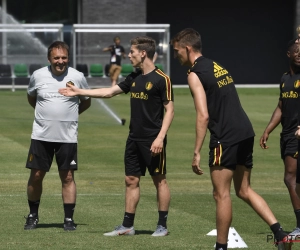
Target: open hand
(70, 90)
(196, 165)
(156, 147)
(263, 141)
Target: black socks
(162, 218)
(69, 210)
(128, 219)
(34, 206)
(221, 246)
(297, 213)
(278, 232)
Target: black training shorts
(298, 165)
(41, 153)
(231, 156)
(288, 146)
(138, 157)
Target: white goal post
(90, 39)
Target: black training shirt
(289, 96)
(116, 54)
(147, 95)
(228, 122)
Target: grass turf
(100, 181)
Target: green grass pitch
(100, 181)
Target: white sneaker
(121, 230)
(160, 231)
(295, 235)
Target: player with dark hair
(286, 114)
(219, 110)
(117, 52)
(54, 131)
(152, 112)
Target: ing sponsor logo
(223, 82)
(52, 95)
(140, 95)
(291, 94)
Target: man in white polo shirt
(54, 131)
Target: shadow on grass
(137, 232)
(55, 225)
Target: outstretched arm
(273, 123)
(99, 93)
(107, 49)
(202, 118)
(96, 93)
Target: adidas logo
(219, 71)
(73, 163)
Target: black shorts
(41, 153)
(231, 156)
(298, 164)
(298, 173)
(288, 146)
(138, 157)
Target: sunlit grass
(100, 181)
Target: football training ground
(100, 181)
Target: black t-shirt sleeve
(166, 91)
(126, 84)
